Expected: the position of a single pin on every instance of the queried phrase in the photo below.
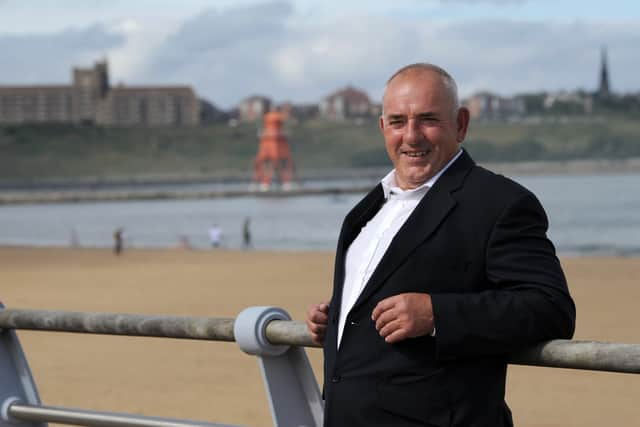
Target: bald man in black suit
(441, 272)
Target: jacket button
(336, 379)
(354, 323)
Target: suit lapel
(353, 223)
(432, 210)
(360, 215)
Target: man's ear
(463, 123)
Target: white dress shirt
(366, 251)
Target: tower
(603, 88)
(274, 157)
(90, 85)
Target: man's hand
(404, 316)
(317, 319)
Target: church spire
(603, 89)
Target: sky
(302, 50)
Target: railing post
(16, 382)
(292, 390)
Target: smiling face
(422, 129)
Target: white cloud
(277, 50)
(140, 40)
(48, 58)
(485, 1)
(304, 60)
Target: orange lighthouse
(274, 157)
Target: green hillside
(220, 150)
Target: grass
(219, 150)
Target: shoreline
(25, 197)
(566, 167)
(536, 167)
(118, 188)
(631, 255)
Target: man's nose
(412, 134)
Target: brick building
(90, 99)
(253, 108)
(490, 106)
(345, 104)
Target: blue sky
(300, 50)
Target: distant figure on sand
(215, 235)
(117, 241)
(73, 238)
(246, 233)
(183, 242)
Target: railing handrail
(572, 354)
(83, 417)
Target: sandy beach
(216, 382)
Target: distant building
(149, 106)
(91, 100)
(210, 114)
(297, 112)
(603, 87)
(346, 103)
(569, 102)
(39, 104)
(485, 105)
(253, 108)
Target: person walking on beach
(441, 271)
(215, 235)
(118, 241)
(246, 233)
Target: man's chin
(413, 180)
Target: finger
(316, 328)
(323, 307)
(311, 310)
(383, 306)
(318, 339)
(319, 317)
(396, 336)
(389, 328)
(385, 317)
(318, 333)
(316, 320)
(316, 314)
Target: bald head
(424, 68)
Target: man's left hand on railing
(317, 319)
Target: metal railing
(80, 417)
(266, 332)
(572, 354)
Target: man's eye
(395, 122)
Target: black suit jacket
(477, 244)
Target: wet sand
(216, 382)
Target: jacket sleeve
(524, 298)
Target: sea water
(588, 214)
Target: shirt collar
(390, 185)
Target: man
(441, 272)
(118, 241)
(215, 236)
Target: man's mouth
(415, 153)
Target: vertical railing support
(292, 390)
(16, 382)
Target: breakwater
(123, 195)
